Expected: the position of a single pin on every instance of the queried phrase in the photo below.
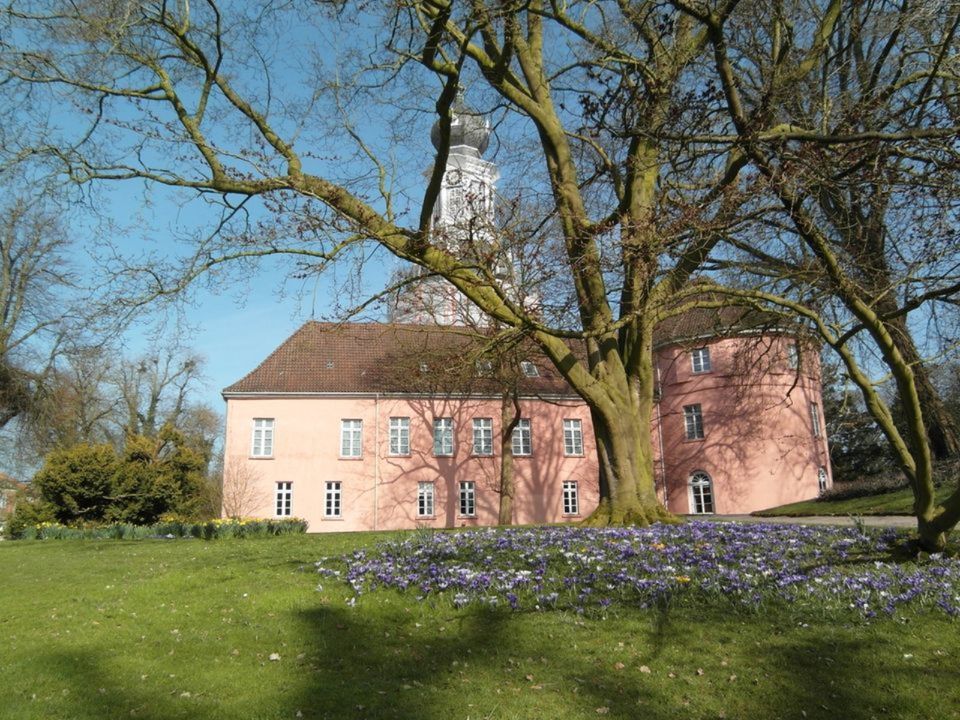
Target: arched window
(701, 493)
(822, 479)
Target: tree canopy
(652, 145)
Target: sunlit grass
(898, 502)
(186, 629)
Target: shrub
(207, 530)
(944, 471)
(153, 477)
(878, 485)
(28, 513)
(78, 482)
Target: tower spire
(463, 218)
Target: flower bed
(578, 568)
(207, 529)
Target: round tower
(740, 422)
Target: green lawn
(899, 502)
(186, 629)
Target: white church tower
(463, 223)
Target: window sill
(260, 457)
(574, 455)
(350, 458)
(694, 440)
(399, 455)
(334, 519)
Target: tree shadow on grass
(388, 659)
(361, 673)
(92, 692)
(398, 665)
(829, 675)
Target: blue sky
(238, 322)
(234, 328)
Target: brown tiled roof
(700, 322)
(377, 357)
(398, 358)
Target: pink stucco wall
(759, 447)
(380, 490)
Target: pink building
(352, 427)
(377, 426)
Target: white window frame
(529, 369)
(701, 495)
(426, 499)
(522, 440)
(484, 368)
(693, 422)
(467, 498)
(333, 500)
(399, 436)
(700, 361)
(793, 355)
(351, 438)
(823, 480)
(443, 437)
(572, 437)
(483, 437)
(571, 497)
(261, 438)
(284, 499)
(815, 420)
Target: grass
(186, 629)
(897, 502)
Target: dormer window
(700, 360)
(484, 368)
(529, 369)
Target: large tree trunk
(864, 235)
(930, 536)
(621, 425)
(626, 458)
(942, 433)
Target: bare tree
(854, 139)
(627, 121)
(599, 117)
(90, 397)
(155, 388)
(240, 491)
(480, 361)
(34, 308)
(73, 404)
